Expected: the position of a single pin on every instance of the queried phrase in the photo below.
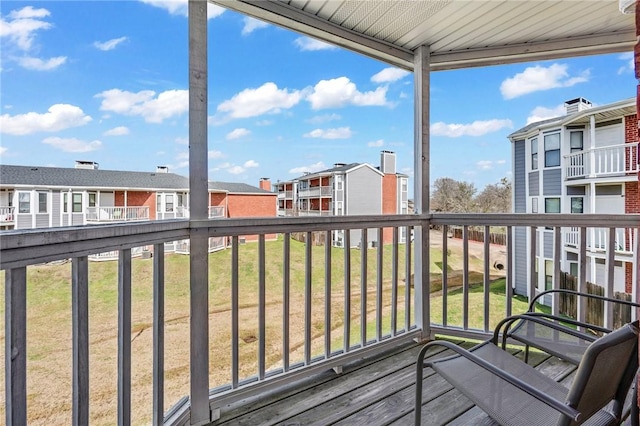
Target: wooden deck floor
(376, 392)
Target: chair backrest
(605, 373)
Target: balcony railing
(316, 191)
(318, 308)
(7, 215)
(598, 239)
(216, 212)
(603, 161)
(116, 214)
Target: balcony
(606, 161)
(315, 191)
(623, 242)
(7, 216)
(216, 212)
(116, 214)
(261, 319)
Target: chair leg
(635, 412)
(526, 354)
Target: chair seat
(505, 403)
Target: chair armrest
(557, 405)
(577, 293)
(544, 319)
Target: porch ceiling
(460, 33)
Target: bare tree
(495, 198)
(452, 196)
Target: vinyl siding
(552, 182)
(548, 245)
(520, 260)
(576, 190)
(519, 178)
(24, 221)
(42, 220)
(55, 208)
(534, 183)
(363, 196)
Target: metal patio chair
(514, 394)
(565, 338)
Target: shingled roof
(61, 177)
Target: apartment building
(41, 197)
(348, 189)
(583, 162)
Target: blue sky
(107, 82)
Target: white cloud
(238, 133)
(181, 7)
(477, 128)
(22, 26)
(501, 162)
(377, 143)
(251, 164)
(182, 141)
(319, 119)
(37, 64)
(542, 113)
(3, 150)
(337, 133)
(340, 92)
(235, 170)
(389, 75)
(311, 44)
(144, 103)
(308, 169)
(72, 144)
(252, 24)
(183, 160)
(485, 164)
(215, 154)
(537, 78)
(117, 131)
(629, 65)
(264, 122)
(266, 99)
(109, 44)
(58, 117)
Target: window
(552, 205)
(92, 199)
(577, 205)
(180, 200)
(576, 141)
(168, 203)
(534, 205)
(65, 202)
(10, 199)
(42, 202)
(552, 150)
(24, 202)
(76, 201)
(159, 203)
(548, 274)
(534, 154)
(573, 269)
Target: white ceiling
(459, 33)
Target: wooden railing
(371, 299)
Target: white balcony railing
(258, 342)
(216, 212)
(7, 215)
(116, 214)
(598, 239)
(603, 161)
(316, 191)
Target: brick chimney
(265, 183)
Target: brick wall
(631, 190)
(252, 205)
(137, 199)
(389, 202)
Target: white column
(421, 70)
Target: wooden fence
(595, 308)
(478, 235)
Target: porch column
(198, 188)
(421, 69)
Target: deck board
(377, 392)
